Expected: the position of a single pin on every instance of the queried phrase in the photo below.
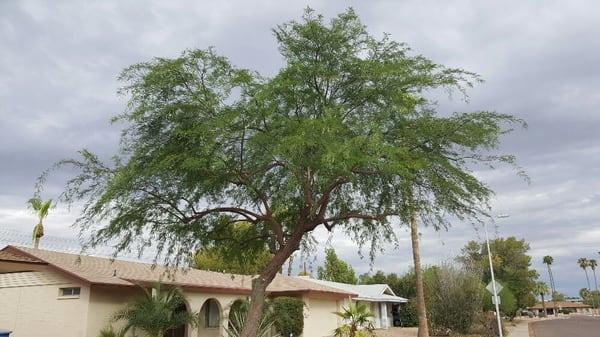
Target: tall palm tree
(541, 289)
(356, 316)
(583, 264)
(593, 264)
(548, 260)
(155, 313)
(421, 309)
(41, 209)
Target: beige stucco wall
(30, 305)
(104, 302)
(319, 317)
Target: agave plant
(358, 321)
(155, 313)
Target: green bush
(408, 314)
(453, 299)
(288, 315)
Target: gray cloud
(60, 60)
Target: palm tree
(357, 316)
(583, 264)
(155, 313)
(541, 289)
(548, 260)
(593, 264)
(421, 309)
(40, 208)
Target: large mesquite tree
(335, 139)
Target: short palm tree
(358, 321)
(583, 264)
(155, 313)
(41, 209)
(541, 289)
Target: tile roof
(99, 270)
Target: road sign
(490, 288)
(496, 298)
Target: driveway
(574, 326)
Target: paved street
(575, 326)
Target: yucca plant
(237, 320)
(41, 209)
(108, 331)
(358, 321)
(155, 312)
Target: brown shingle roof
(99, 270)
(8, 256)
(561, 304)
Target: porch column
(383, 316)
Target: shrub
(288, 316)
(453, 299)
(408, 314)
(108, 332)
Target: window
(69, 292)
(211, 314)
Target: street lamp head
(502, 216)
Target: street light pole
(495, 295)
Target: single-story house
(382, 301)
(574, 307)
(47, 293)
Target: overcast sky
(59, 61)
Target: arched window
(211, 313)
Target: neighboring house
(384, 304)
(46, 293)
(574, 307)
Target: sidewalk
(521, 330)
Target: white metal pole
(495, 295)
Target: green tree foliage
(288, 316)
(358, 321)
(335, 269)
(590, 297)
(239, 256)
(155, 313)
(558, 297)
(511, 263)
(508, 302)
(338, 137)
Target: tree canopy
(234, 256)
(344, 135)
(335, 269)
(512, 266)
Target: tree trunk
(553, 287)
(421, 309)
(587, 279)
(260, 284)
(544, 306)
(290, 265)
